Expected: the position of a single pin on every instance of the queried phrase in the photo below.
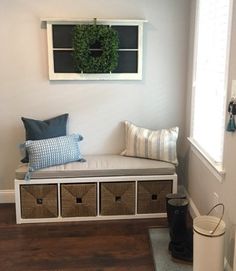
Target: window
(210, 77)
(61, 65)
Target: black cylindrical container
(169, 197)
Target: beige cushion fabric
(151, 144)
(101, 166)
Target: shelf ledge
(91, 20)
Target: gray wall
(96, 109)
(201, 183)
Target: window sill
(215, 168)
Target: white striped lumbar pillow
(151, 144)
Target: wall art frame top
(60, 50)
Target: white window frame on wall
(216, 167)
(94, 76)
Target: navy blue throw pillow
(38, 129)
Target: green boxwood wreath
(86, 36)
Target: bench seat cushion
(101, 166)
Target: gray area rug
(163, 261)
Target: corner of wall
(192, 207)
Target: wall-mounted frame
(60, 60)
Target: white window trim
(97, 76)
(216, 168)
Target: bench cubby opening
(78, 199)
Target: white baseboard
(227, 266)
(7, 196)
(192, 207)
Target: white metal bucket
(208, 243)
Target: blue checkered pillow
(53, 151)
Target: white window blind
(209, 86)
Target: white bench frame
(97, 180)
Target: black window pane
(62, 36)
(128, 36)
(127, 62)
(63, 62)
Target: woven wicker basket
(118, 198)
(151, 196)
(78, 200)
(39, 201)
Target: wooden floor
(86, 246)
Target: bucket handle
(223, 210)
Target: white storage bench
(104, 187)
